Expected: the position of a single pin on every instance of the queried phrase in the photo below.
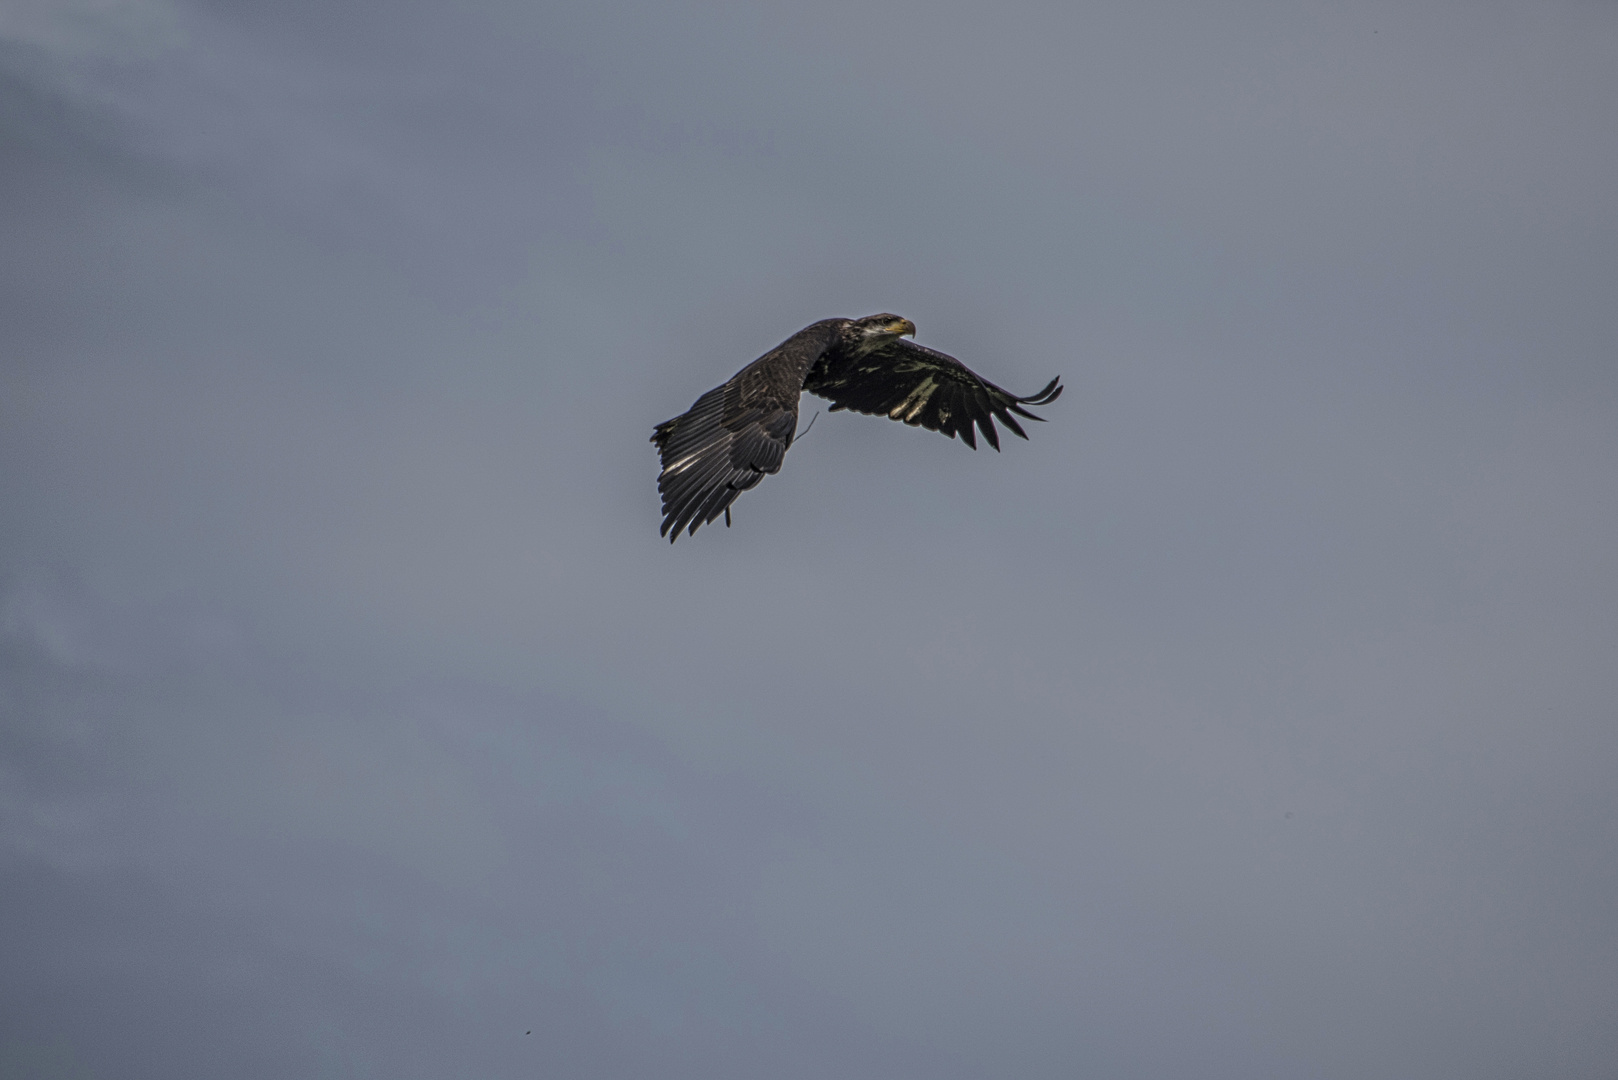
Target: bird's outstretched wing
(720, 447)
(924, 387)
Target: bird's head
(874, 331)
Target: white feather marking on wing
(681, 464)
(911, 406)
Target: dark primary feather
(718, 450)
(926, 388)
(737, 433)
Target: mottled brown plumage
(737, 433)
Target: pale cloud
(86, 31)
(1254, 718)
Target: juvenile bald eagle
(738, 432)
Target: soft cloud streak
(355, 716)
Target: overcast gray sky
(1258, 718)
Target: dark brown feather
(737, 433)
(925, 388)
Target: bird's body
(738, 433)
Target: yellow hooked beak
(903, 327)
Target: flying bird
(737, 433)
